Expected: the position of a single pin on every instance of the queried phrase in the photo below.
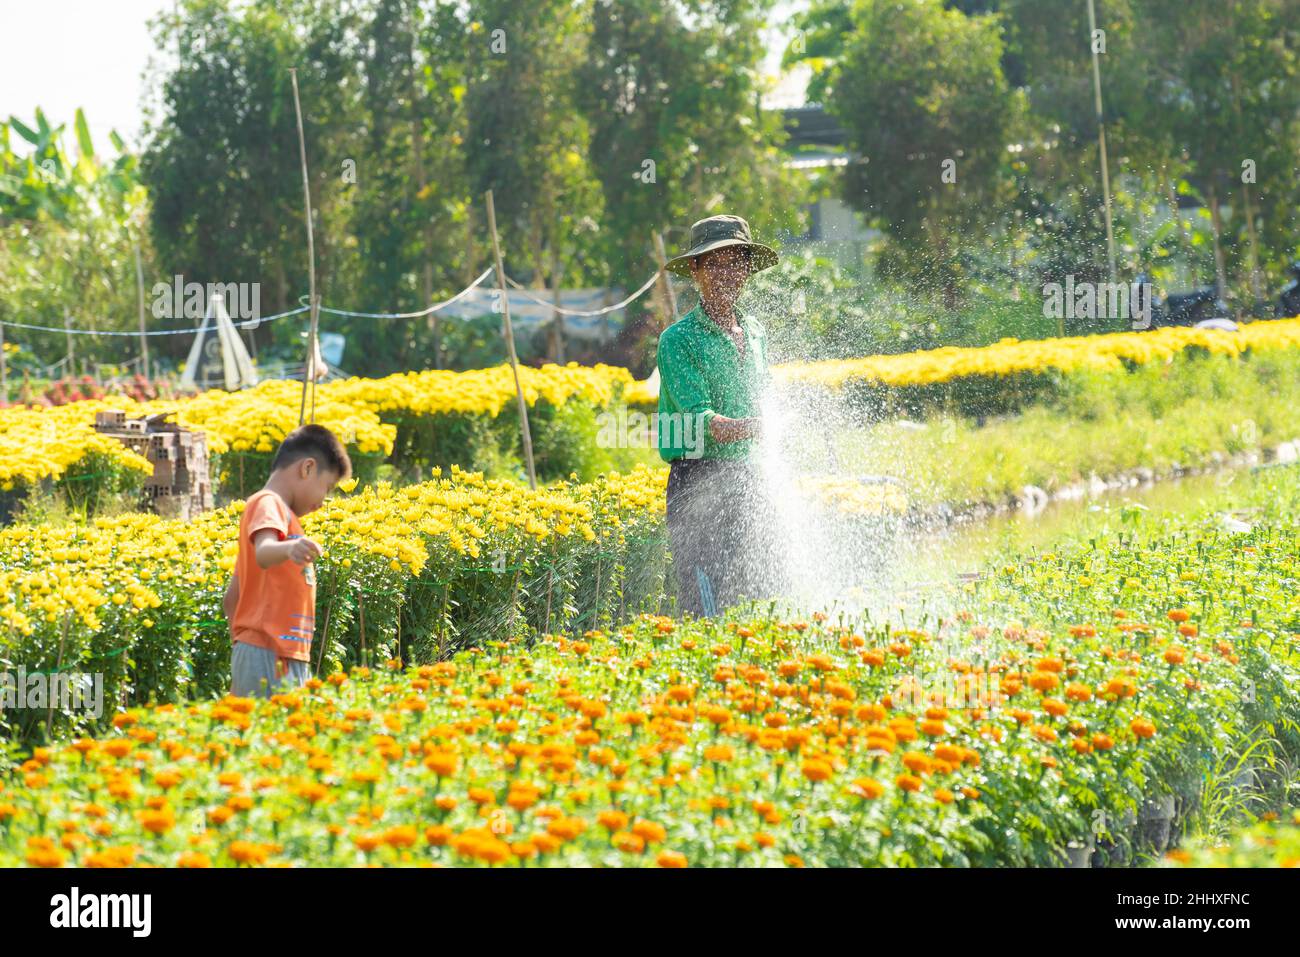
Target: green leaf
(25, 131)
(84, 142)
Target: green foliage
(71, 224)
(1188, 413)
(936, 74)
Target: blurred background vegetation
(599, 123)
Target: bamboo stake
(58, 666)
(361, 613)
(329, 610)
(1101, 137)
(309, 370)
(510, 342)
(139, 288)
(670, 296)
(70, 369)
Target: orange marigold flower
(246, 852)
(158, 821)
(917, 763)
(908, 782)
(649, 831)
(628, 842)
(866, 788)
(1142, 727)
(45, 857)
(1043, 681)
(815, 769)
(612, 820)
(1078, 692)
(402, 835)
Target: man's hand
(726, 430)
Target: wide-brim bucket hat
(715, 232)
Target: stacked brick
(180, 485)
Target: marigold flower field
(391, 416)
(1066, 354)
(426, 567)
(1108, 672)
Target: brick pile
(180, 485)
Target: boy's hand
(303, 550)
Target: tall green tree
(222, 161)
(671, 92)
(529, 143)
(1221, 83)
(921, 92)
(405, 190)
(70, 230)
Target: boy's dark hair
(314, 442)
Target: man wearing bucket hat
(712, 370)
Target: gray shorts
(252, 672)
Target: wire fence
(254, 323)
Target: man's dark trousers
(720, 527)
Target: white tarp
(218, 358)
(527, 314)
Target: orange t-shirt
(277, 605)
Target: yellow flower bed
(852, 497)
(48, 573)
(479, 391)
(1010, 356)
(39, 444)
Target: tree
(674, 135)
(407, 203)
(527, 141)
(1222, 79)
(69, 230)
(921, 93)
(222, 162)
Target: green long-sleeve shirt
(700, 376)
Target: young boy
(271, 600)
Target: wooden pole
(139, 288)
(309, 370)
(510, 341)
(4, 369)
(670, 297)
(1101, 136)
(70, 370)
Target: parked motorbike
(1288, 301)
(1184, 308)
